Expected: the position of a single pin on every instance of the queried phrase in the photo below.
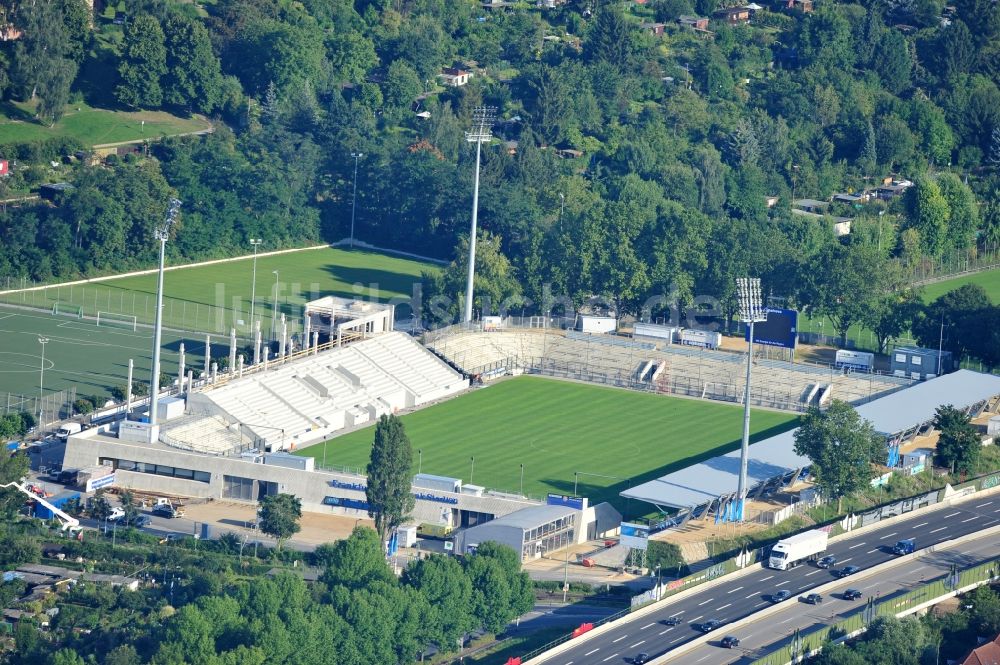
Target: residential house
(454, 77)
(841, 225)
(771, 201)
(497, 4)
(569, 153)
(656, 29)
(810, 205)
(986, 654)
(852, 199)
(733, 15)
(693, 22)
(804, 6)
(891, 188)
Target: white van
(68, 429)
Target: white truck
(790, 552)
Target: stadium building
(902, 417)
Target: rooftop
(529, 518)
(893, 414)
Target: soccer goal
(117, 320)
(67, 309)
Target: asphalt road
(738, 598)
(772, 632)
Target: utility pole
(41, 382)
(562, 205)
(482, 121)
(253, 282)
(354, 199)
(161, 234)
(940, 345)
(751, 311)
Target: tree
(12, 469)
(893, 61)
(100, 507)
(889, 316)
(43, 64)
(143, 63)
(401, 86)
(953, 320)
(956, 51)
(963, 212)
(959, 446)
(351, 56)
(501, 591)
(612, 38)
(985, 614)
(129, 507)
(194, 75)
(842, 448)
(357, 561)
(279, 516)
(928, 213)
(449, 593)
(389, 493)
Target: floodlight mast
(482, 123)
(751, 311)
(161, 233)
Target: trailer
(703, 338)
(790, 552)
(95, 477)
(655, 331)
(597, 325)
(860, 360)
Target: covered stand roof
(774, 457)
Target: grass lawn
(989, 280)
(216, 297)
(613, 438)
(92, 126)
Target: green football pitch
(607, 439)
(215, 298)
(78, 354)
(198, 300)
(989, 280)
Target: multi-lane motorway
(761, 636)
(744, 595)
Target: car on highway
(813, 599)
(778, 596)
(846, 571)
(827, 561)
(730, 642)
(708, 626)
(139, 521)
(671, 621)
(641, 659)
(851, 594)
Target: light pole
(482, 119)
(522, 480)
(253, 283)
(420, 460)
(354, 199)
(161, 234)
(562, 205)
(941, 345)
(41, 380)
(880, 214)
(274, 311)
(472, 469)
(751, 311)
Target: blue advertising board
(574, 502)
(780, 329)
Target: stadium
(607, 424)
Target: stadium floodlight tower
(161, 233)
(751, 312)
(482, 124)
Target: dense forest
(630, 160)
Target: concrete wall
(85, 450)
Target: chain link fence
(52, 408)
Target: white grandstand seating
(309, 399)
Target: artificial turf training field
(216, 297)
(558, 428)
(95, 359)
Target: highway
(734, 599)
(772, 632)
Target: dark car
(641, 658)
(671, 621)
(826, 562)
(709, 626)
(851, 594)
(140, 521)
(779, 596)
(813, 599)
(847, 570)
(730, 642)
(165, 511)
